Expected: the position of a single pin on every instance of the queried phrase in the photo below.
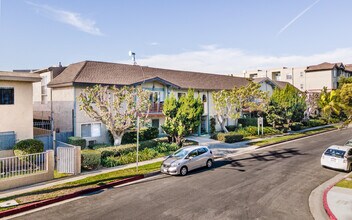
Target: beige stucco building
(311, 78)
(16, 105)
(67, 86)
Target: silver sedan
(187, 159)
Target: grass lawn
(345, 183)
(290, 137)
(86, 183)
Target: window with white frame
(91, 130)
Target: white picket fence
(23, 165)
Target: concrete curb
(39, 204)
(296, 138)
(326, 205)
(325, 197)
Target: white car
(337, 157)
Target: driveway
(272, 183)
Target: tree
(286, 105)
(182, 116)
(231, 103)
(329, 103)
(345, 96)
(344, 80)
(312, 100)
(115, 107)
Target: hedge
(231, 127)
(113, 156)
(77, 141)
(314, 123)
(90, 159)
(253, 131)
(130, 137)
(230, 137)
(296, 126)
(245, 122)
(28, 146)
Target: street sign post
(260, 123)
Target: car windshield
(335, 153)
(180, 153)
(349, 143)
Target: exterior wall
(266, 87)
(19, 116)
(42, 97)
(315, 81)
(82, 118)
(29, 179)
(63, 105)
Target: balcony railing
(156, 107)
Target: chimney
(60, 64)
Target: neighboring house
(42, 94)
(16, 106)
(68, 85)
(268, 85)
(312, 78)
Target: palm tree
(329, 104)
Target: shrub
(231, 127)
(131, 136)
(28, 146)
(90, 159)
(214, 136)
(145, 154)
(253, 131)
(212, 125)
(296, 126)
(77, 141)
(248, 122)
(314, 123)
(230, 137)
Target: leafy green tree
(345, 95)
(182, 116)
(329, 103)
(231, 103)
(286, 105)
(344, 80)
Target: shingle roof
(348, 67)
(94, 72)
(322, 66)
(282, 84)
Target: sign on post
(260, 123)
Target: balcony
(156, 108)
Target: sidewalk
(221, 149)
(340, 202)
(43, 185)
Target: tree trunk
(117, 139)
(222, 122)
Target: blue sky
(211, 36)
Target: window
(288, 76)
(7, 96)
(204, 98)
(254, 75)
(155, 123)
(301, 74)
(91, 130)
(180, 94)
(335, 153)
(202, 151)
(301, 86)
(334, 72)
(193, 153)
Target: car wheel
(209, 163)
(184, 171)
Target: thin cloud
(67, 17)
(154, 44)
(234, 61)
(297, 17)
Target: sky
(221, 36)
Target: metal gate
(66, 160)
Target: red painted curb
(326, 205)
(68, 196)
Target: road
(272, 183)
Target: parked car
(337, 157)
(187, 159)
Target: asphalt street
(273, 183)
